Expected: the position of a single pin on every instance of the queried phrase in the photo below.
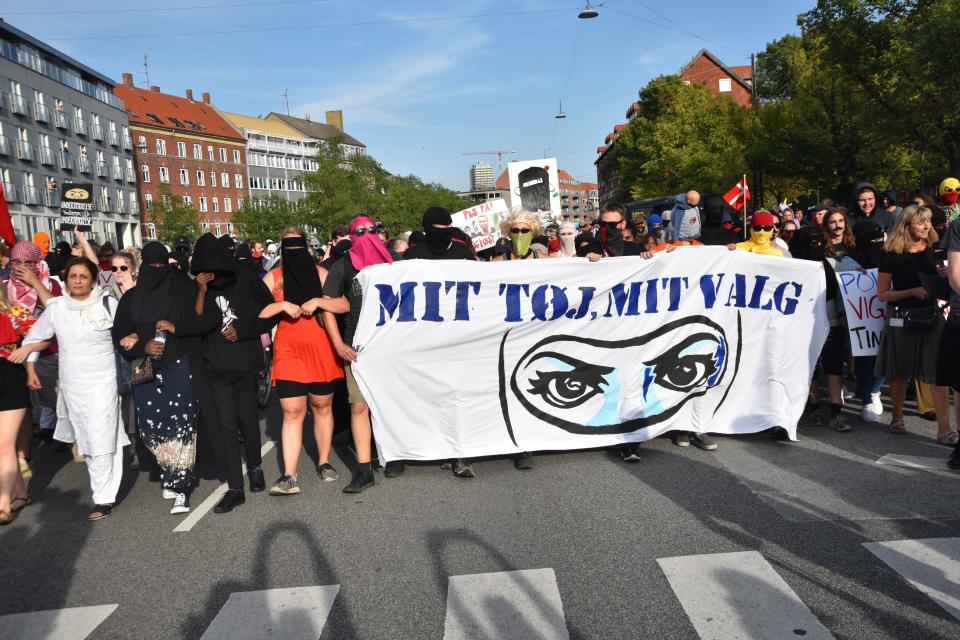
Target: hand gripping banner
(463, 359)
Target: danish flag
(738, 196)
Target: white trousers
(106, 472)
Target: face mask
(815, 251)
(439, 239)
(950, 198)
(520, 243)
(567, 240)
(761, 237)
(611, 239)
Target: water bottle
(161, 337)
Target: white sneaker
(867, 414)
(169, 495)
(181, 504)
(875, 403)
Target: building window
(210, 152)
(213, 178)
(726, 85)
(224, 179)
(230, 228)
(197, 152)
(202, 201)
(223, 154)
(227, 207)
(216, 205)
(187, 201)
(161, 147)
(164, 174)
(142, 144)
(236, 156)
(148, 199)
(182, 149)
(216, 228)
(151, 231)
(145, 170)
(238, 181)
(184, 177)
(239, 203)
(200, 181)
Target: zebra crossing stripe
(931, 565)
(914, 462)
(289, 614)
(739, 595)
(75, 623)
(507, 605)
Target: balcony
(85, 165)
(98, 132)
(102, 169)
(18, 104)
(10, 192)
(66, 160)
(80, 126)
(31, 195)
(134, 208)
(61, 120)
(40, 112)
(121, 206)
(46, 156)
(131, 176)
(113, 138)
(127, 142)
(52, 197)
(117, 172)
(105, 204)
(25, 150)
(4, 146)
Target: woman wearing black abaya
(162, 306)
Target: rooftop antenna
(560, 115)
(146, 69)
(287, 100)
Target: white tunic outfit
(88, 385)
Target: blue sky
(419, 82)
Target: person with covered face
(305, 365)
(231, 358)
(567, 235)
(762, 226)
(610, 241)
(157, 321)
(520, 227)
(949, 192)
(343, 296)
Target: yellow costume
(761, 239)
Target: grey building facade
(60, 122)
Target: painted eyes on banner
(690, 364)
(566, 389)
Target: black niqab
(437, 240)
(301, 282)
(210, 256)
(869, 249)
(154, 284)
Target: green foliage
(266, 218)
(173, 218)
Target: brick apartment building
(704, 69)
(188, 145)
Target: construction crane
(499, 153)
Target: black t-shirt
(342, 281)
(951, 242)
(905, 269)
(718, 237)
(840, 250)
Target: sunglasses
(759, 228)
(518, 230)
(359, 231)
(123, 268)
(949, 189)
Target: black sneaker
(394, 469)
(630, 452)
(461, 469)
(703, 441)
(681, 439)
(230, 500)
(257, 483)
(361, 480)
(524, 461)
(954, 461)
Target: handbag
(142, 371)
(917, 320)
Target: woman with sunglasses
(124, 267)
(521, 227)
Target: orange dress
(302, 351)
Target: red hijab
(366, 249)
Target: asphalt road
(581, 546)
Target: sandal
(7, 518)
(949, 439)
(26, 503)
(896, 426)
(100, 511)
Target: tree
(173, 218)
(266, 218)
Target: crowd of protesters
(161, 348)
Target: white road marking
(288, 614)
(506, 605)
(931, 565)
(914, 462)
(204, 507)
(739, 595)
(75, 623)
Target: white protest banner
(466, 359)
(535, 187)
(865, 312)
(482, 222)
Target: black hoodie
(879, 215)
(240, 296)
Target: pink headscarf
(19, 292)
(367, 249)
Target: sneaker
(954, 460)
(839, 423)
(867, 414)
(461, 469)
(169, 495)
(326, 472)
(285, 486)
(257, 483)
(230, 500)
(681, 439)
(181, 504)
(361, 480)
(875, 403)
(395, 469)
(703, 441)
(630, 452)
(950, 439)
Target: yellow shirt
(768, 249)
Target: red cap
(762, 219)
